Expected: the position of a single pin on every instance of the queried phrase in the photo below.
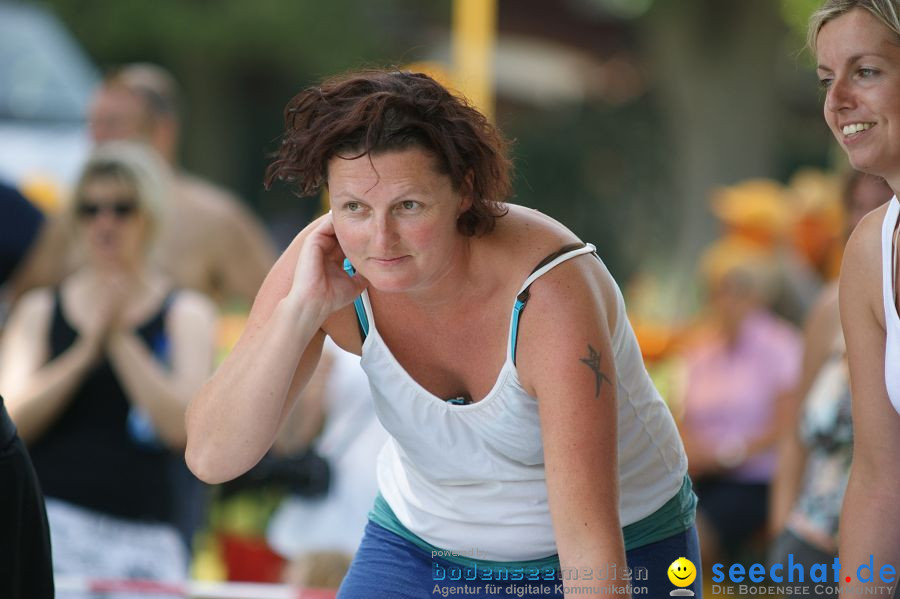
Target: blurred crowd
(118, 299)
(758, 378)
(117, 304)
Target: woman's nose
(838, 96)
(385, 234)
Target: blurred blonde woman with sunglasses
(97, 374)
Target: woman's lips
(389, 261)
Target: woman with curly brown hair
(529, 450)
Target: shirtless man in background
(209, 241)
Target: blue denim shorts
(388, 566)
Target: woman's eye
(352, 206)
(409, 205)
(825, 82)
(866, 72)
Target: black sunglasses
(121, 209)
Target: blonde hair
(136, 165)
(886, 11)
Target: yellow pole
(474, 35)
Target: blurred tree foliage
(601, 170)
(239, 62)
(796, 14)
(727, 99)
(736, 102)
(295, 36)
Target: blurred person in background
(857, 49)
(208, 240)
(20, 224)
(816, 451)
(736, 375)
(25, 567)
(818, 225)
(759, 214)
(336, 413)
(98, 371)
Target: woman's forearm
(593, 556)
(787, 481)
(234, 418)
(40, 399)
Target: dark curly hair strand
(372, 112)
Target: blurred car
(46, 81)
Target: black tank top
(96, 454)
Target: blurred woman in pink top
(734, 379)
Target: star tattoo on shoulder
(593, 362)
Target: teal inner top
(675, 516)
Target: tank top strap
(362, 307)
(889, 258)
(158, 319)
(62, 333)
(368, 314)
(154, 333)
(558, 257)
(58, 316)
(365, 317)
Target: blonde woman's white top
(891, 319)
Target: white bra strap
(522, 297)
(587, 249)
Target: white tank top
(891, 319)
(466, 477)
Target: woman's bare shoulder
(532, 236)
(38, 298)
(862, 256)
(33, 309)
(527, 236)
(861, 271)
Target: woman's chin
(863, 162)
(389, 287)
(384, 283)
(108, 260)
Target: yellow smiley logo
(682, 572)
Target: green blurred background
(625, 113)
